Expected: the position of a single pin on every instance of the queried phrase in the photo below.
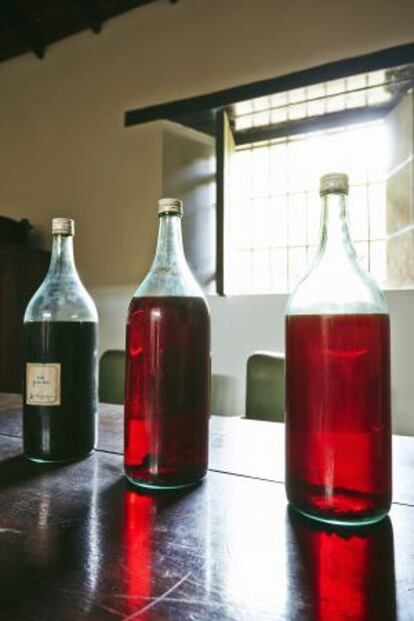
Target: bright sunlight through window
(273, 221)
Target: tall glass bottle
(61, 360)
(168, 367)
(338, 418)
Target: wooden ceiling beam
(88, 13)
(22, 30)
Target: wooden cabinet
(22, 269)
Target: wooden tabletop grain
(77, 543)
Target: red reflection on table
(349, 574)
(137, 532)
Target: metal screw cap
(334, 182)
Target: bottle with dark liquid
(167, 368)
(338, 411)
(61, 360)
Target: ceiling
(33, 25)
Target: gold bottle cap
(334, 182)
(63, 226)
(170, 205)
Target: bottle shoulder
(61, 299)
(336, 289)
(177, 281)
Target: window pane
(261, 271)
(242, 174)
(297, 222)
(244, 122)
(278, 221)
(261, 103)
(298, 111)
(335, 86)
(278, 269)
(260, 171)
(378, 260)
(315, 91)
(314, 216)
(298, 94)
(297, 258)
(260, 223)
(241, 225)
(334, 104)
(358, 213)
(356, 81)
(243, 107)
(377, 152)
(279, 115)
(279, 168)
(242, 277)
(377, 211)
(261, 118)
(378, 95)
(280, 99)
(317, 107)
(376, 77)
(297, 164)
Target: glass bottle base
(163, 487)
(352, 523)
(48, 460)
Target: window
(273, 218)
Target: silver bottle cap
(170, 205)
(63, 226)
(334, 182)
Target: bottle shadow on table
(17, 470)
(343, 573)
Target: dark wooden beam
(22, 30)
(311, 124)
(383, 59)
(88, 13)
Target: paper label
(43, 383)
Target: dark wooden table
(77, 543)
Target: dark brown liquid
(68, 430)
(338, 424)
(167, 391)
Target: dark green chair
(112, 376)
(265, 386)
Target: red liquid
(338, 428)
(167, 391)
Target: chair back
(265, 386)
(112, 376)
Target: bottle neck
(170, 251)
(334, 234)
(62, 262)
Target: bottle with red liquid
(338, 410)
(167, 393)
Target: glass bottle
(167, 368)
(338, 413)
(61, 360)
